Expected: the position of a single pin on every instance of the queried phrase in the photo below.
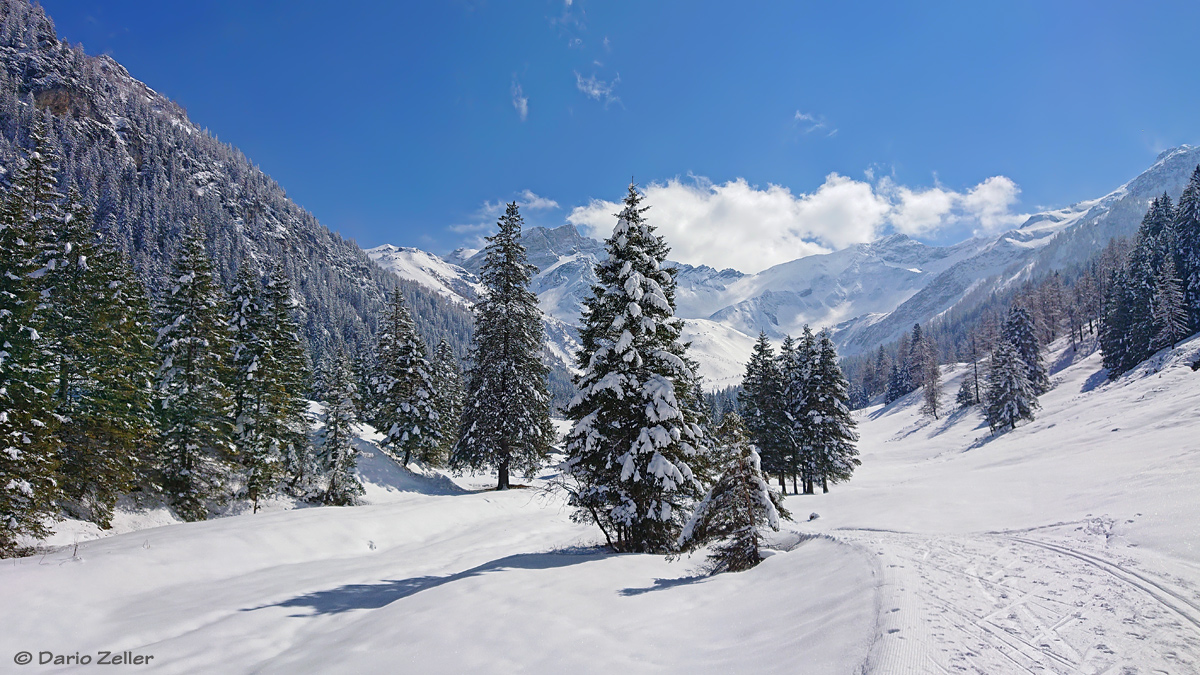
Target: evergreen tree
(1010, 397)
(830, 426)
(248, 381)
(966, 392)
(101, 342)
(636, 432)
(406, 412)
(338, 453)
(1187, 238)
(899, 384)
(287, 375)
(738, 508)
(447, 398)
(932, 386)
(1170, 315)
(194, 403)
(800, 373)
(506, 416)
(28, 489)
(761, 399)
(918, 353)
(1019, 332)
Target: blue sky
(405, 122)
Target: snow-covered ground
(1070, 545)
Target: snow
(1068, 545)
(444, 278)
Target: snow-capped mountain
(462, 287)
(440, 276)
(1048, 241)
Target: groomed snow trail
(1000, 603)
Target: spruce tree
(1010, 396)
(404, 391)
(447, 398)
(636, 432)
(248, 380)
(761, 398)
(194, 403)
(287, 375)
(966, 392)
(831, 425)
(338, 453)
(506, 414)
(738, 508)
(1170, 315)
(1019, 332)
(801, 381)
(103, 367)
(931, 389)
(28, 461)
(1187, 237)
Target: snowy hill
(1069, 545)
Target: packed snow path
(1004, 603)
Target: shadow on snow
(374, 596)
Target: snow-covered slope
(446, 279)
(1069, 545)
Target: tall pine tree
(28, 461)
(337, 450)
(1010, 397)
(404, 390)
(636, 431)
(830, 425)
(761, 398)
(194, 403)
(506, 414)
(1019, 332)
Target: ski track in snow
(1000, 603)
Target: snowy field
(1071, 545)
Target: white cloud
(519, 100)
(739, 225)
(811, 122)
(484, 219)
(597, 89)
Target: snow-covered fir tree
(1187, 236)
(800, 376)
(250, 346)
(918, 357)
(28, 461)
(830, 426)
(965, 398)
(931, 387)
(1019, 332)
(447, 398)
(761, 399)
(738, 508)
(286, 373)
(194, 403)
(338, 454)
(506, 414)
(1010, 398)
(404, 390)
(636, 430)
(1170, 314)
(102, 344)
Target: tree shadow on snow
(664, 584)
(374, 596)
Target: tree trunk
(502, 468)
(783, 484)
(794, 490)
(824, 485)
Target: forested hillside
(147, 171)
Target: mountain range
(148, 170)
(867, 294)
